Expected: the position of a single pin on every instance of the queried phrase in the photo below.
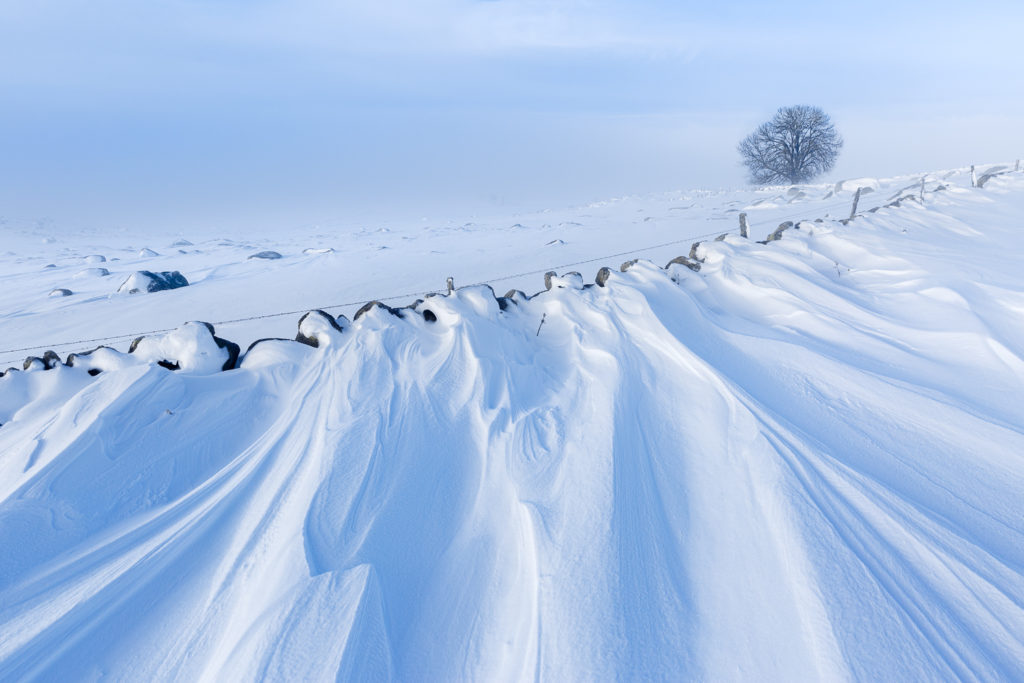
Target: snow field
(801, 462)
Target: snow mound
(865, 185)
(102, 359)
(91, 272)
(264, 353)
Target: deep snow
(804, 461)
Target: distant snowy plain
(803, 461)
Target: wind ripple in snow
(760, 470)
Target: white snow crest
(191, 347)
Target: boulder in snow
(371, 305)
(992, 173)
(777, 235)
(60, 291)
(682, 260)
(192, 348)
(267, 255)
(516, 296)
(318, 328)
(571, 280)
(695, 252)
(48, 361)
(147, 281)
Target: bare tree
(798, 144)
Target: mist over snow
(793, 456)
(189, 115)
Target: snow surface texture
(803, 461)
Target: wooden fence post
(856, 200)
(450, 282)
(974, 178)
(743, 225)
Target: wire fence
(405, 295)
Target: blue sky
(123, 114)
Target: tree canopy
(798, 144)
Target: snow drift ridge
(772, 466)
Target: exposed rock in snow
(568, 281)
(317, 328)
(192, 348)
(777, 234)
(147, 252)
(372, 306)
(991, 173)
(60, 291)
(48, 361)
(146, 281)
(267, 255)
(684, 261)
(516, 296)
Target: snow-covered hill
(804, 460)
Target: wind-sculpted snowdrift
(803, 462)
